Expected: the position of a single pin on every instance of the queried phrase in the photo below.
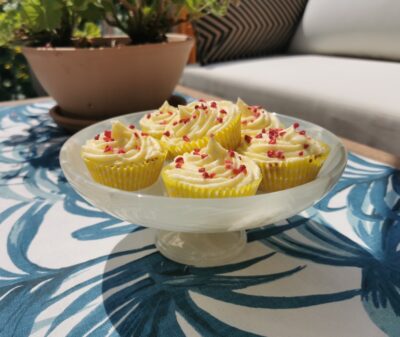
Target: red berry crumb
(213, 104)
(302, 132)
(220, 120)
(301, 153)
(222, 111)
(179, 160)
(108, 148)
(280, 155)
(296, 125)
(186, 138)
(306, 146)
(97, 137)
(247, 138)
(131, 126)
(148, 116)
(167, 133)
(121, 151)
(231, 153)
(184, 120)
(202, 169)
(107, 133)
(242, 168)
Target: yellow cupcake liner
(179, 189)
(228, 137)
(130, 177)
(279, 176)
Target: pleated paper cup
(281, 175)
(179, 189)
(130, 177)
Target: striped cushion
(254, 28)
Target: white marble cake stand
(200, 232)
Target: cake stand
(200, 232)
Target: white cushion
(357, 99)
(369, 28)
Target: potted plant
(93, 77)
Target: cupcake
(286, 157)
(155, 123)
(124, 158)
(212, 172)
(254, 119)
(199, 120)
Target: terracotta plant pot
(96, 83)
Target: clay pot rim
(174, 40)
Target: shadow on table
(145, 294)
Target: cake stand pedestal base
(200, 250)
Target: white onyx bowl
(201, 232)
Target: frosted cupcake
(212, 172)
(199, 120)
(155, 123)
(124, 158)
(254, 119)
(286, 157)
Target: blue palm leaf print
(129, 289)
(378, 229)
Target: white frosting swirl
(255, 118)
(198, 120)
(156, 122)
(121, 145)
(213, 166)
(278, 144)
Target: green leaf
(147, 10)
(82, 5)
(9, 22)
(41, 15)
(93, 12)
(90, 30)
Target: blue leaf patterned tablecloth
(67, 269)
